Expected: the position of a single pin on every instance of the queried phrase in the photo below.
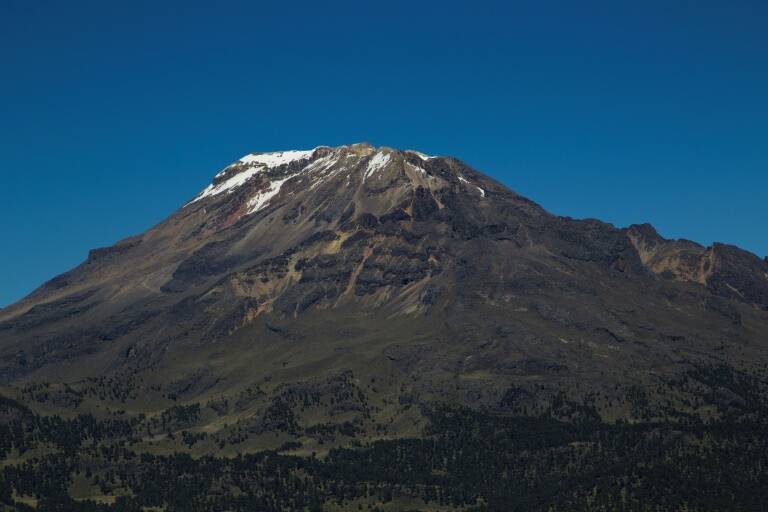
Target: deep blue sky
(113, 114)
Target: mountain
(324, 303)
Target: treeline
(467, 459)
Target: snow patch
(276, 159)
(465, 180)
(421, 155)
(320, 166)
(417, 168)
(376, 163)
(227, 185)
(254, 163)
(261, 199)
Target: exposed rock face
(725, 270)
(294, 267)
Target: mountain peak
(361, 148)
(255, 181)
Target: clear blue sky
(113, 114)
